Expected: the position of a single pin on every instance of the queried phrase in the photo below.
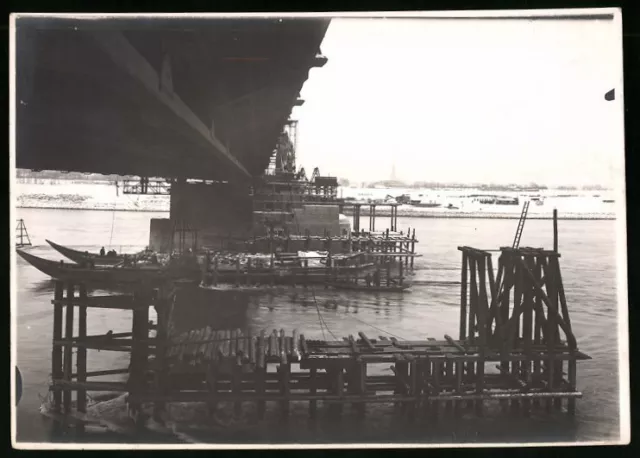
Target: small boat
(107, 274)
(507, 201)
(82, 257)
(373, 288)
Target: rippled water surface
(589, 273)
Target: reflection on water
(196, 308)
(428, 310)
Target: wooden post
(56, 356)
(482, 325)
(463, 298)
(238, 272)
(553, 267)
(425, 379)
(248, 271)
(391, 225)
(473, 303)
(162, 336)
(215, 271)
(436, 373)
(139, 352)
(373, 226)
(413, 386)
(527, 329)
(68, 350)
(261, 370)
(537, 331)
(402, 371)
(338, 383)
(82, 357)
(503, 311)
(551, 332)
(212, 384)
(449, 378)
(514, 335)
(459, 373)
(285, 375)
(362, 386)
(572, 374)
(313, 404)
(236, 381)
(555, 230)
(413, 245)
(395, 218)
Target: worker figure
(367, 278)
(102, 251)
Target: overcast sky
(464, 100)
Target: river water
(589, 273)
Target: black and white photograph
(318, 230)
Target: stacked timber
(210, 346)
(216, 346)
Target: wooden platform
(517, 349)
(207, 345)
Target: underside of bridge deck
(193, 98)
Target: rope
(321, 318)
(319, 315)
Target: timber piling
(513, 349)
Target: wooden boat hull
(81, 257)
(109, 275)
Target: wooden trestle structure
(397, 244)
(514, 347)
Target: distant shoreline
(401, 214)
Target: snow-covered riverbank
(105, 196)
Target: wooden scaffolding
(515, 347)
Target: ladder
(523, 218)
(21, 235)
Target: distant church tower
(393, 172)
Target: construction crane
(523, 218)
